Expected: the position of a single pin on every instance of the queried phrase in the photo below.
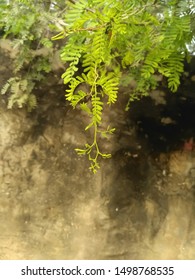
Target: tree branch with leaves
(104, 38)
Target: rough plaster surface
(51, 207)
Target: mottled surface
(140, 205)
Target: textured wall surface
(138, 206)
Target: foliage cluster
(102, 39)
(29, 24)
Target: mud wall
(140, 205)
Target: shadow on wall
(151, 196)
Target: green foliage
(28, 24)
(20, 93)
(103, 39)
(144, 38)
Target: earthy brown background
(140, 205)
